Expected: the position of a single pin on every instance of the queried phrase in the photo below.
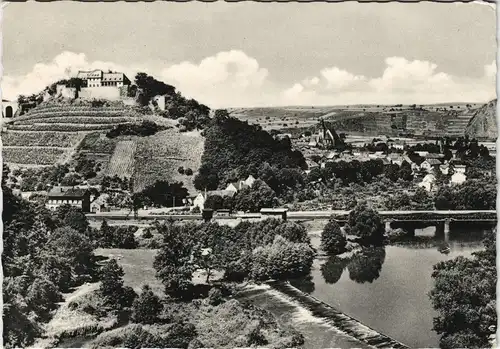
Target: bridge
(339, 215)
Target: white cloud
(63, 66)
(337, 78)
(402, 81)
(232, 79)
(229, 77)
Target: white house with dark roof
(199, 200)
(98, 78)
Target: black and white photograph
(249, 175)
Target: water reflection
(363, 266)
(333, 268)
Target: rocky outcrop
(484, 122)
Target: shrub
(189, 172)
(180, 170)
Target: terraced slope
(483, 123)
(51, 133)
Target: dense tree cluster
(234, 149)
(250, 250)
(115, 236)
(143, 129)
(260, 195)
(464, 295)
(191, 114)
(160, 194)
(419, 200)
(43, 255)
(470, 195)
(360, 172)
(366, 223)
(149, 87)
(41, 178)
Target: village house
(201, 198)
(459, 175)
(311, 165)
(239, 185)
(59, 196)
(100, 204)
(444, 168)
(98, 78)
(428, 182)
(430, 164)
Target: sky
(255, 54)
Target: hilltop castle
(98, 78)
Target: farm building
(59, 196)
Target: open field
(122, 160)
(137, 265)
(159, 156)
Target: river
(387, 288)
(384, 288)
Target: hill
(77, 133)
(433, 120)
(483, 123)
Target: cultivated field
(48, 139)
(122, 161)
(33, 156)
